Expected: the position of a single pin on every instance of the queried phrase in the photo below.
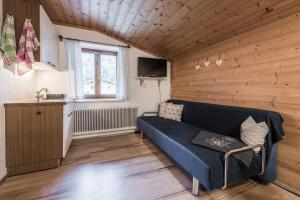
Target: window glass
(88, 61)
(108, 74)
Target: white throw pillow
(163, 109)
(174, 112)
(253, 133)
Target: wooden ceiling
(169, 28)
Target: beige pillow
(163, 109)
(174, 112)
(253, 133)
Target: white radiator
(104, 121)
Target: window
(99, 73)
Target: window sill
(97, 100)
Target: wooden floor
(122, 167)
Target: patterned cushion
(163, 109)
(174, 112)
(253, 133)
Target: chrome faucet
(39, 96)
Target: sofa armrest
(150, 113)
(247, 148)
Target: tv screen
(152, 67)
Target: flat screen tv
(151, 67)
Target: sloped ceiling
(169, 28)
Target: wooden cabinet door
(49, 40)
(33, 134)
(50, 119)
(19, 124)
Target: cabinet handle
(38, 113)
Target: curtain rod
(62, 38)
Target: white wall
(54, 81)
(11, 88)
(146, 97)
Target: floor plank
(122, 168)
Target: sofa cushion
(173, 111)
(253, 133)
(162, 109)
(174, 138)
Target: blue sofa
(205, 165)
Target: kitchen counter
(34, 103)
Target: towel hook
(28, 17)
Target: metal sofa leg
(195, 189)
(142, 135)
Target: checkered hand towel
(27, 44)
(8, 44)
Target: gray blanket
(223, 144)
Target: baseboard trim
(105, 134)
(286, 187)
(3, 179)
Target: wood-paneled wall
(261, 69)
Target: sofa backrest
(226, 120)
